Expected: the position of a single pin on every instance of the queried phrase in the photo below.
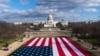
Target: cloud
(56, 4)
(87, 3)
(24, 2)
(93, 3)
(4, 1)
(90, 10)
(60, 9)
(36, 15)
(4, 4)
(67, 4)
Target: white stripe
(55, 50)
(40, 41)
(30, 44)
(66, 52)
(47, 42)
(73, 48)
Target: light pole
(28, 33)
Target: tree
(9, 30)
(59, 25)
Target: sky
(38, 10)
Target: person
(24, 35)
(21, 39)
(94, 47)
(5, 47)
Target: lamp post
(28, 33)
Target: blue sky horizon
(38, 10)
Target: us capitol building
(51, 23)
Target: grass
(9, 40)
(94, 41)
(91, 40)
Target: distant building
(64, 23)
(18, 23)
(36, 23)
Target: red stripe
(69, 48)
(61, 53)
(78, 47)
(43, 42)
(28, 42)
(36, 42)
(50, 42)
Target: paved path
(15, 45)
(88, 46)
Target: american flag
(50, 46)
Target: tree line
(10, 30)
(89, 32)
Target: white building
(50, 22)
(64, 23)
(36, 23)
(18, 23)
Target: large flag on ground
(59, 46)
